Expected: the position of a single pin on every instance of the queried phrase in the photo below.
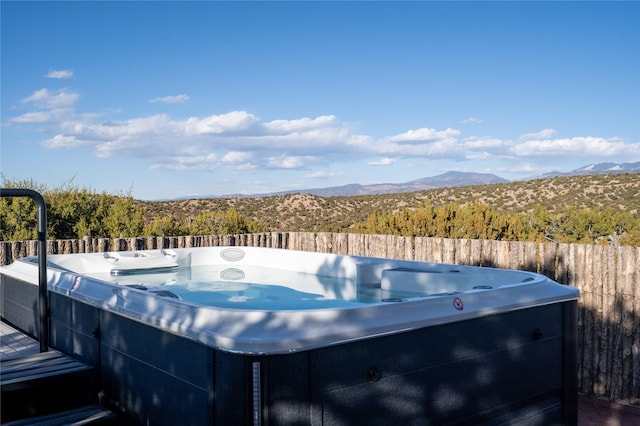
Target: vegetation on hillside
(75, 213)
(305, 212)
(479, 221)
(585, 209)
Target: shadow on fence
(608, 278)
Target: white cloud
(36, 117)
(62, 141)
(241, 141)
(170, 99)
(234, 137)
(484, 142)
(424, 135)
(421, 143)
(59, 74)
(576, 146)
(245, 167)
(112, 136)
(289, 162)
(323, 175)
(231, 122)
(299, 125)
(543, 134)
(382, 162)
(481, 155)
(236, 157)
(46, 99)
(201, 162)
(471, 120)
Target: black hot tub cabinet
(354, 341)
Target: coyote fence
(608, 278)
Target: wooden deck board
(14, 343)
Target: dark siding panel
(156, 377)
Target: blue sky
(171, 99)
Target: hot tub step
(44, 383)
(89, 415)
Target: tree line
(79, 212)
(480, 221)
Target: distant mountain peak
(460, 179)
(448, 179)
(596, 168)
(609, 167)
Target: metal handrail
(43, 300)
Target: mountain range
(448, 179)
(597, 168)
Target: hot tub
(246, 335)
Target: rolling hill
(310, 212)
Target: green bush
(78, 212)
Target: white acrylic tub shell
(429, 294)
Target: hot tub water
(247, 287)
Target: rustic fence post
(18, 250)
(419, 252)
(591, 329)
(276, 240)
(448, 251)
(87, 244)
(103, 245)
(309, 241)
(427, 249)
(292, 241)
(462, 251)
(375, 245)
(65, 247)
(548, 256)
(340, 243)
(516, 260)
(399, 247)
(356, 244)
(32, 248)
(632, 343)
(496, 254)
(324, 242)
(562, 266)
(52, 247)
(530, 257)
(475, 255)
(120, 244)
(138, 243)
(599, 322)
(627, 339)
(6, 256)
(152, 243)
(435, 249)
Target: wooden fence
(608, 278)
